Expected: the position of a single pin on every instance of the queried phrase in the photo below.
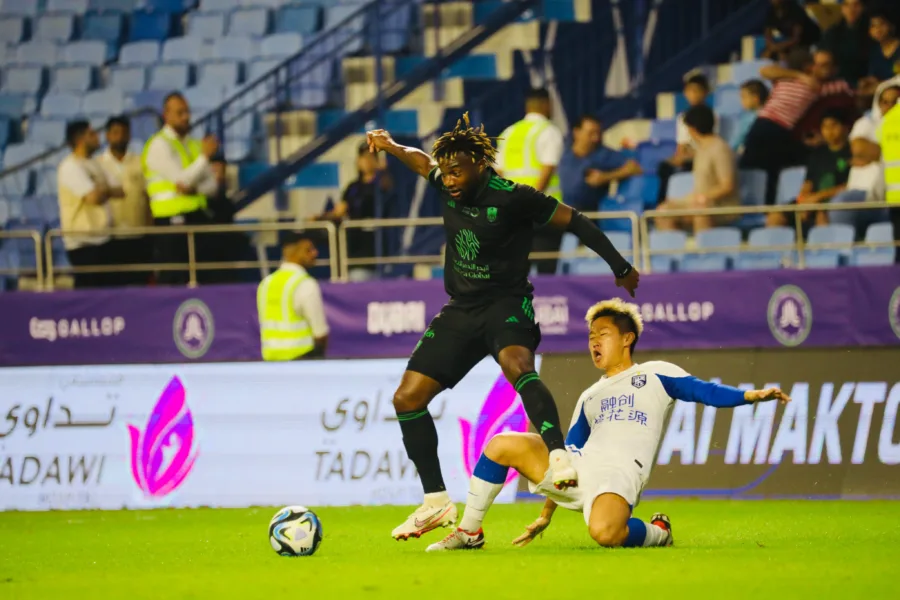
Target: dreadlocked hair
(465, 139)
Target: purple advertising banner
(827, 308)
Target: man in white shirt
(613, 441)
(179, 179)
(84, 195)
(528, 153)
(123, 169)
(289, 302)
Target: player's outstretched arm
(568, 219)
(539, 525)
(691, 389)
(415, 160)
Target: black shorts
(459, 337)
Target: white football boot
(562, 472)
(424, 519)
(459, 540)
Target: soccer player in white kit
(612, 442)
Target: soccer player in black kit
(489, 223)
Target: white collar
(108, 155)
(605, 378)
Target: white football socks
(481, 495)
(656, 536)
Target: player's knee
(606, 534)
(516, 366)
(408, 399)
(498, 449)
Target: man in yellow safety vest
(292, 321)
(528, 153)
(178, 178)
(889, 138)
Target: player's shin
(642, 534)
(421, 441)
(485, 484)
(541, 409)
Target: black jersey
(489, 238)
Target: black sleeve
(537, 207)
(434, 178)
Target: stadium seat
(47, 206)
(121, 6)
(5, 131)
(253, 22)
(183, 49)
(666, 240)
(280, 45)
(75, 78)
(239, 48)
(151, 99)
(139, 53)
(271, 4)
(790, 182)
(45, 184)
(221, 74)
(58, 28)
(24, 80)
(23, 250)
(156, 26)
(877, 233)
(170, 6)
(765, 237)
(63, 105)
(103, 27)
(12, 29)
(745, 71)
(51, 132)
(88, 52)
(350, 34)
(143, 126)
(217, 5)
(394, 26)
(172, 76)
(206, 25)
(643, 187)
(4, 213)
(716, 237)
(203, 100)
(31, 211)
(828, 234)
(680, 185)
(103, 103)
(19, 8)
(619, 203)
(76, 7)
(128, 78)
(728, 101)
(662, 130)
(16, 105)
(19, 183)
(305, 20)
(37, 53)
(568, 243)
(651, 154)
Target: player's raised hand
(629, 282)
(767, 394)
(378, 139)
(532, 531)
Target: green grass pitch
(749, 549)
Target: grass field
(750, 549)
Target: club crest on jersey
(470, 211)
(491, 214)
(639, 381)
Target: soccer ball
(295, 531)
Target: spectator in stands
(223, 247)
(884, 62)
(834, 95)
(528, 152)
(849, 42)
(770, 144)
(788, 28)
(361, 201)
(122, 168)
(179, 180)
(754, 95)
(587, 167)
(715, 176)
(84, 196)
(827, 171)
(291, 313)
(696, 92)
(865, 130)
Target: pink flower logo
(163, 454)
(502, 411)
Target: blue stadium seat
(217, 5)
(45, 183)
(87, 52)
(221, 74)
(16, 105)
(203, 100)
(239, 48)
(305, 20)
(5, 131)
(619, 203)
(183, 49)
(128, 78)
(752, 184)
(349, 30)
(77, 7)
(593, 265)
(63, 105)
(51, 132)
(666, 240)
(147, 99)
(877, 233)
(280, 45)
(394, 27)
(206, 25)
(823, 258)
(253, 22)
(24, 80)
(716, 237)
(140, 53)
(790, 182)
(103, 27)
(744, 71)
(22, 251)
(150, 26)
(662, 130)
(643, 187)
(144, 126)
(651, 154)
(48, 206)
(171, 76)
(271, 4)
(20, 8)
(122, 6)
(58, 28)
(258, 68)
(75, 78)
(4, 212)
(728, 102)
(170, 6)
(19, 183)
(568, 243)
(37, 53)
(771, 259)
(31, 211)
(103, 103)
(680, 185)
(12, 29)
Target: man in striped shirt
(770, 145)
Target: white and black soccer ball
(295, 531)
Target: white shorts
(595, 477)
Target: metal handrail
(192, 266)
(35, 236)
(347, 262)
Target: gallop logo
(502, 411)
(163, 454)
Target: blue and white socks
(486, 482)
(642, 534)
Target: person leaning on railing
(179, 179)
